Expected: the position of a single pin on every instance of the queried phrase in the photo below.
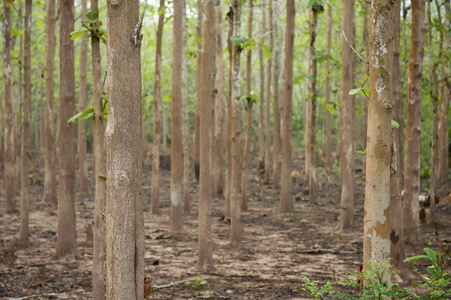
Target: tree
(82, 162)
(268, 97)
(176, 122)
(347, 163)
(235, 199)
(327, 93)
(24, 192)
(156, 117)
(261, 102)
(365, 100)
(206, 119)
(66, 243)
(413, 124)
(276, 122)
(124, 212)
(196, 145)
(49, 158)
(99, 251)
(10, 157)
(376, 236)
(286, 197)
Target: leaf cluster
(90, 25)
(89, 112)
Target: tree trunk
(376, 242)
(18, 106)
(156, 117)
(413, 125)
(10, 156)
(205, 188)
(196, 150)
(268, 101)
(66, 243)
(286, 197)
(235, 199)
(247, 145)
(82, 162)
(327, 93)
(165, 128)
(396, 224)
(49, 159)
(347, 159)
(311, 92)
(99, 251)
(275, 107)
(124, 212)
(218, 145)
(365, 100)
(261, 102)
(176, 216)
(24, 192)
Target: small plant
(427, 240)
(197, 282)
(206, 294)
(315, 291)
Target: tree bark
(376, 243)
(99, 250)
(49, 159)
(286, 197)
(268, 100)
(155, 208)
(24, 192)
(413, 125)
(327, 93)
(365, 100)
(205, 188)
(176, 216)
(196, 145)
(9, 136)
(275, 107)
(82, 162)
(347, 159)
(235, 199)
(124, 212)
(261, 102)
(67, 236)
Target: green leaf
(415, 257)
(394, 124)
(430, 253)
(168, 19)
(297, 79)
(161, 10)
(237, 40)
(78, 33)
(102, 176)
(74, 118)
(266, 51)
(354, 91)
(93, 15)
(330, 108)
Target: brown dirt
(278, 250)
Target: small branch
(34, 296)
(353, 47)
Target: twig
(352, 47)
(34, 296)
(168, 285)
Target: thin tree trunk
(205, 187)
(155, 208)
(66, 243)
(18, 106)
(196, 145)
(82, 162)
(268, 100)
(376, 236)
(218, 145)
(176, 212)
(261, 103)
(24, 192)
(99, 250)
(10, 156)
(124, 211)
(165, 127)
(347, 159)
(286, 197)
(235, 199)
(413, 125)
(327, 93)
(275, 107)
(49, 159)
(365, 100)
(247, 145)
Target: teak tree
(328, 163)
(268, 98)
(124, 212)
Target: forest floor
(277, 252)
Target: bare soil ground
(278, 250)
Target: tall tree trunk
(396, 223)
(49, 159)
(365, 100)
(156, 117)
(205, 188)
(99, 251)
(247, 145)
(327, 93)
(261, 102)
(443, 135)
(176, 216)
(82, 162)
(218, 144)
(235, 199)
(268, 99)
(376, 236)
(275, 107)
(286, 198)
(165, 128)
(66, 243)
(18, 106)
(413, 124)
(24, 192)
(347, 159)
(124, 211)
(196, 145)
(311, 92)
(10, 156)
